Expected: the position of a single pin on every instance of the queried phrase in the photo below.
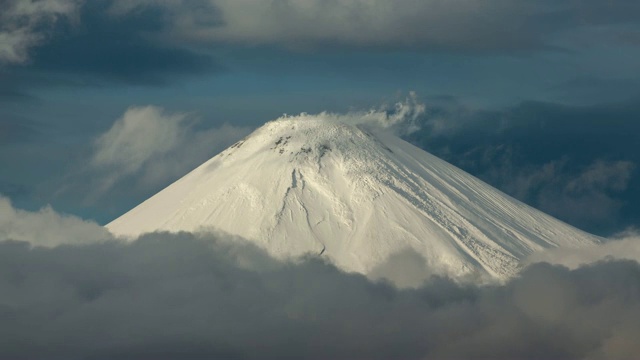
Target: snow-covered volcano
(356, 195)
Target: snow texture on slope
(356, 195)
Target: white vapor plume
(402, 117)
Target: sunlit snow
(356, 195)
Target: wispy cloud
(141, 134)
(156, 146)
(24, 23)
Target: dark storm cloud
(577, 163)
(186, 296)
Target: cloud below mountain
(625, 246)
(212, 296)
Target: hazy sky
(537, 98)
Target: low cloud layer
(625, 246)
(46, 227)
(194, 296)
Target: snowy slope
(355, 195)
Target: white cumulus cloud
(46, 227)
(624, 246)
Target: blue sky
(539, 99)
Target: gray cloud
(164, 27)
(194, 296)
(405, 269)
(437, 25)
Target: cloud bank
(461, 25)
(625, 246)
(194, 296)
(434, 25)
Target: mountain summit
(355, 194)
